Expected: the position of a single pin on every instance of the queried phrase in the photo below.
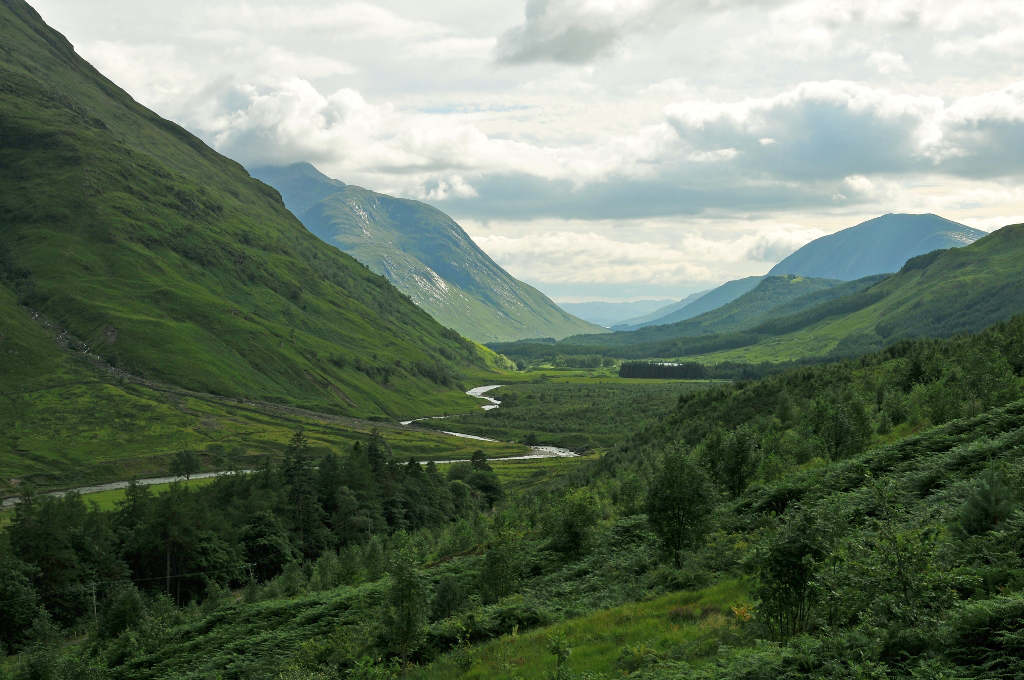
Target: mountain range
(878, 246)
(609, 314)
(425, 254)
(937, 294)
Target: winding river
(492, 403)
(478, 392)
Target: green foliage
(679, 503)
(574, 520)
(184, 464)
(785, 567)
(574, 415)
(990, 502)
(406, 605)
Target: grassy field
(683, 626)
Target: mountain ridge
(877, 246)
(425, 253)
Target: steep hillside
(707, 302)
(169, 262)
(610, 313)
(878, 246)
(425, 254)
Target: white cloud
(888, 63)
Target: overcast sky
(601, 149)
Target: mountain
(774, 296)
(878, 246)
(713, 299)
(163, 259)
(638, 321)
(425, 254)
(610, 313)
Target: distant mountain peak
(877, 246)
(425, 254)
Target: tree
(184, 464)
(990, 502)
(785, 567)
(732, 458)
(575, 518)
(407, 604)
(679, 503)
(501, 567)
(448, 598)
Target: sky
(601, 149)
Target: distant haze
(621, 149)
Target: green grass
(682, 626)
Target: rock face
(424, 253)
(878, 246)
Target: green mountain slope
(425, 254)
(713, 299)
(168, 261)
(878, 246)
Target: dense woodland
(854, 519)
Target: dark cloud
(574, 33)
(522, 196)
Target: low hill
(426, 254)
(167, 261)
(878, 246)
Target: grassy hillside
(425, 254)
(934, 295)
(878, 246)
(169, 262)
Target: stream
(478, 392)
(492, 403)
